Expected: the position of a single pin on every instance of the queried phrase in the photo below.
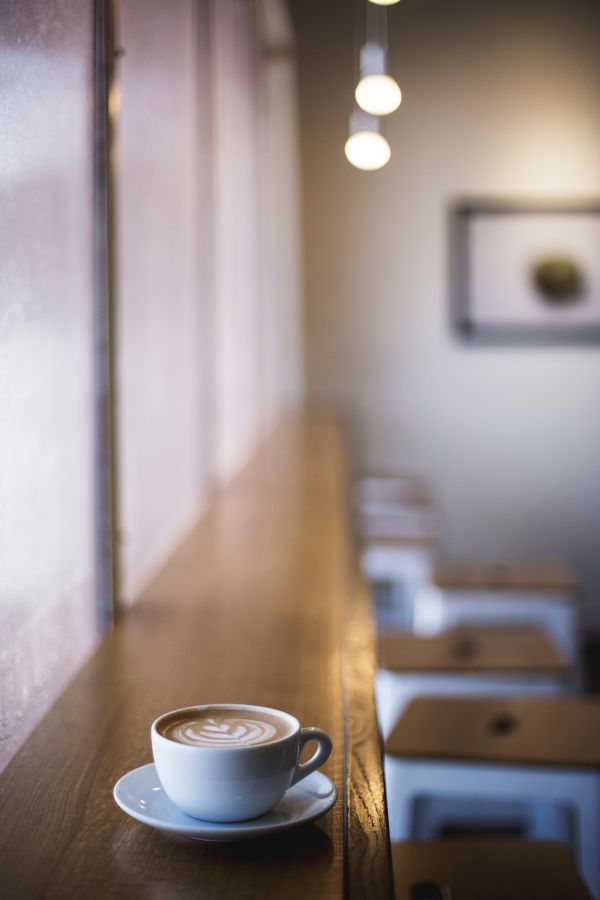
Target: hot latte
(221, 727)
(228, 762)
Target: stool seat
(547, 577)
(485, 870)
(414, 538)
(557, 732)
(384, 491)
(476, 650)
(413, 524)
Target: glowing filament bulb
(378, 94)
(365, 148)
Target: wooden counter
(261, 604)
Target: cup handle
(320, 755)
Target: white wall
(499, 99)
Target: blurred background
(502, 101)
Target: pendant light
(376, 92)
(366, 148)
(384, 2)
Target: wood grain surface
(474, 650)
(368, 862)
(487, 870)
(553, 731)
(252, 609)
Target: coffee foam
(220, 728)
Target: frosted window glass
(47, 604)
(281, 294)
(237, 233)
(159, 324)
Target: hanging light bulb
(384, 2)
(365, 148)
(376, 92)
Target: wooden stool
(382, 492)
(396, 523)
(407, 523)
(529, 767)
(404, 566)
(485, 870)
(545, 595)
(483, 661)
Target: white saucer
(140, 794)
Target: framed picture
(526, 271)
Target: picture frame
(525, 271)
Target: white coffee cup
(222, 773)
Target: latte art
(223, 727)
(230, 732)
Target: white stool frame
(407, 568)
(436, 610)
(410, 779)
